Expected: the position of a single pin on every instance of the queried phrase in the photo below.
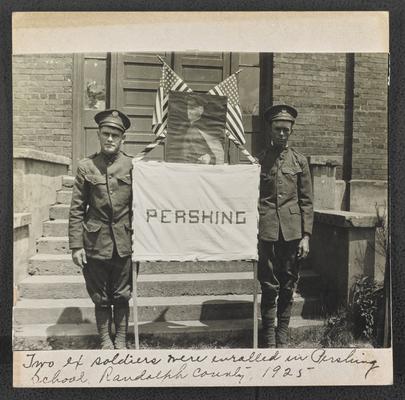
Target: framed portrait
(196, 128)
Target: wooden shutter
(202, 71)
(137, 79)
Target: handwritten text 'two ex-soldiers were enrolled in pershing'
(83, 369)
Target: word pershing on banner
(189, 212)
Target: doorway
(128, 81)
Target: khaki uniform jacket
(101, 202)
(286, 201)
(194, 144)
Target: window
(249, 83)
(95, 77)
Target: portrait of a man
(196, 128)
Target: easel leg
(255, 307)
(135, 266)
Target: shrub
(358, 320)
(339, 330)
(367, 295)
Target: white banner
(190, 212)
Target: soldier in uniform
(199, 145)
(285, 223)
(100, 227)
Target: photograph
(317, 123)
(196, 128)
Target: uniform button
(280, 195)
(111, 192)
(112, 223)
(110, 177)
(280, 182)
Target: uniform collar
(277, 150)
(109, 159)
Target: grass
(146, 342)
(308, 338)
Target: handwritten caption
(197, 368)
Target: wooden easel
(135, 304)
(135, 270)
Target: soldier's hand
(303, 247)
(79, 257)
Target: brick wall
(316, 85)
(370, 121)
(42, 103)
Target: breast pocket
(290, 170)
(96, 179)
(124, 187)
(98, 186)
(290, 174)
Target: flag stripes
(169, 81)
(234, 124)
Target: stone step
(52, 264)
(67, 181)
(50, 248)
(64, 196)
(57, 227)
(308, 285)
(53, 245)
(196, 333)
(59, 211)
(72, 286)
(62, 264)
(154, 285)
(76, 311)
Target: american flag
(169, 81)
(234, 125)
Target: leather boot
(282, 332)
(268, 333)
(284, 308)
(268, 325)
(103, 321)
(121, 315)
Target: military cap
(280, 112)
(197, 99)
(114, 118)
